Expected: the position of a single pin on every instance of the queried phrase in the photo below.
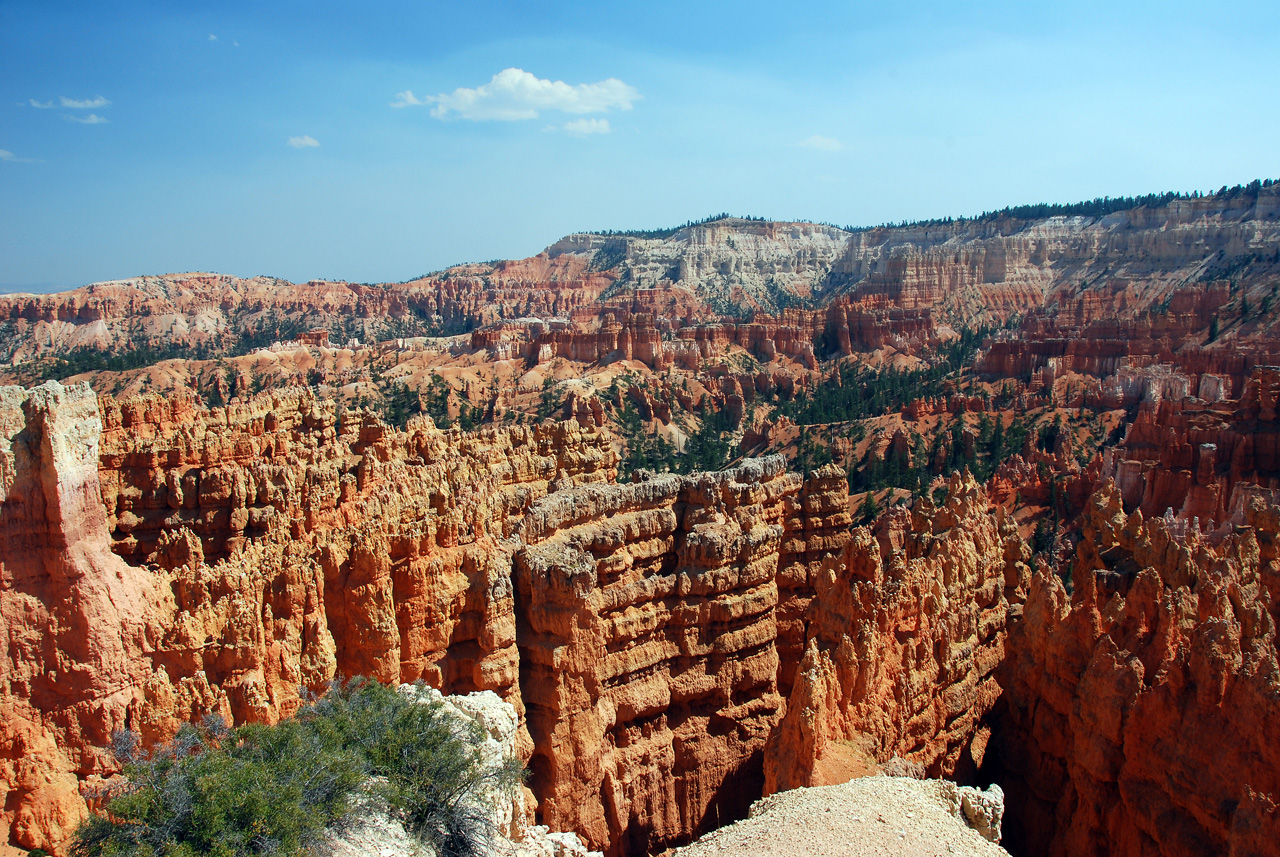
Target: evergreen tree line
(854, 392)
(89, 359)
(708, 448)
(1099, 207)
(946, 453)
(671, 230)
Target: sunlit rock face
(675, 646)
(645, 633)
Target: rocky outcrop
(1138, 709)
(1144, 275)
(904, 636)
(649, 650)
(1202, 461)
(268, 552)
(77, 618)
(730, 262)
(374, 831)
(644, 633)
(1122, 263)
(188, 310)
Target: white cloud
(212, 37)
(306, 141)
(583, 127)
(6, 155)
(91, 119)
(821, 143)
(83, 103)
(515, 94)
(43, 105)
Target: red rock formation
(360, 552)
(1140, 709)
(905, 632)
(76, 617)
(649, 629)
(652, 645)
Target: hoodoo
(720, 512)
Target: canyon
(721, 512)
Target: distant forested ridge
(1100, 207)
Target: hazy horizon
(316, 142)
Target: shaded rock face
(1140, 711)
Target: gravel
(867, 817)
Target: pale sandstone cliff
(966, 271)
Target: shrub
(277, 790)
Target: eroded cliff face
(650, 644)
(988, 269)
(646, 633)
(674, 647)
(1169, 264)
(1141, 709)
(269, 552)
(904, 635)
(76, 617)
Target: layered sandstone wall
(674, 646)
(76, 617)
(904, 636)
(648, 650)
(225, 559)
(379, 553)
(988, 269)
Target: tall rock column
(647, 637)
(72, 666)
(903, 640)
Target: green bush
(277, 790)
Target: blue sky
(261, 137)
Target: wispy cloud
(212, 37)
(6, 155)
(306, 141)
(91, 119)
(83, 103)
(514, 94)
(583, 127)
(42, 105)
(821, 143)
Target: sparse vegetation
(276, 790)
